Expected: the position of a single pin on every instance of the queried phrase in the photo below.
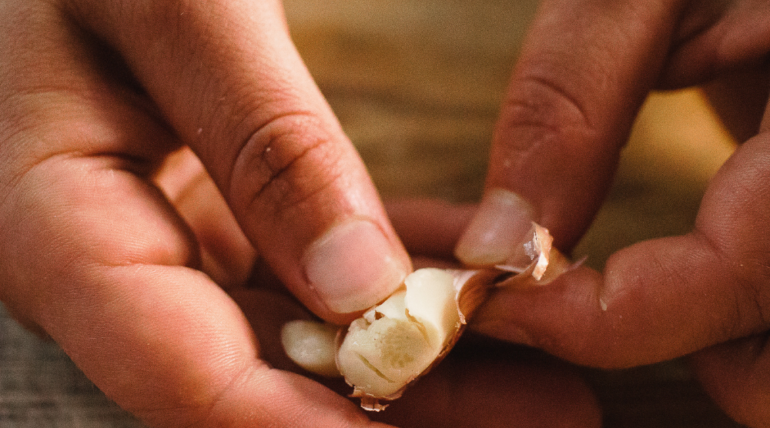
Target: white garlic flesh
(395, 342)
(311, 345)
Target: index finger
(583, 72)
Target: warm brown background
(416, 85)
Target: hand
(583, 73)
(150, 154)
(113, 249)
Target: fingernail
(353, 267)
(497, 231)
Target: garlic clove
(312, 346)
(431, 301)
(401, 339)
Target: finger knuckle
(282, 163)
(546, 107)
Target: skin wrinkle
(205, 53)
(319, 186)
(310, 193)
(31, 20)
(747, 273)
(746, 293)
(692, 289)
(102, 59)
(93, 94)
(528, 121)
(680, 276)
(164, 15)
(141, 163)
(525, 114)
(255, 143)
(520, 109)
(553, 91)
(9, 182)
(276, 158)
(112, 70)
(580, 123)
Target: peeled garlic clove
(312, 346)
(400, 340)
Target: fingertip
(497, 229)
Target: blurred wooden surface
(416, 85)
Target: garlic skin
(398, 340)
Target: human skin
(584, 70)
(152, 153)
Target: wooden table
(416, 85)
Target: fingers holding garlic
(401, 339)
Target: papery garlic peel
(401, 339)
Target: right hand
(583, 73)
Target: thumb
(228, 79)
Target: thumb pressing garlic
(399, 340)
